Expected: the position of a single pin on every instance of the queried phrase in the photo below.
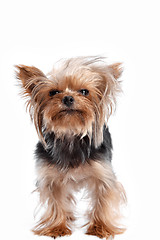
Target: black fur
(71, 153)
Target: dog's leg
(107, 195)
(57, 199)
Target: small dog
(70, 108)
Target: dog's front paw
(55, 232)
(60, 231)
(98, 230)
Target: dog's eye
(84, 92)
(53, 92)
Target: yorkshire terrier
(70, 108)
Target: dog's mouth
(70, 111)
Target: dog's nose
(68, 101)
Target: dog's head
(75, 99)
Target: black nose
(68, 101)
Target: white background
(40, 33)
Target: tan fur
(56, 189)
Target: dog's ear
(29, 77)
(116, 70)
(110, 86)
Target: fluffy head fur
(88, 113)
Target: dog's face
(74, 99)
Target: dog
(70, 108)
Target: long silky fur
(56, 189)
